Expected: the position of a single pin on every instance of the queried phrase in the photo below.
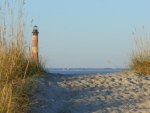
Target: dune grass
(140, 59)
(16, 63)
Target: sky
(87, 33)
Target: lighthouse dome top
(35, 30)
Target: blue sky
(87, 33)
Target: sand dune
(124, 92)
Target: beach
(122, 92)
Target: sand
(123, 92)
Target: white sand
(112, 93)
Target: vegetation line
(140, 58)
(16, 64)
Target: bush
(16, 63)
(140, 59)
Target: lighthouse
(35, 44)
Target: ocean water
(82, 71)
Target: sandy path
(111, 93)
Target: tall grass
(16, 63)
(140, 59)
